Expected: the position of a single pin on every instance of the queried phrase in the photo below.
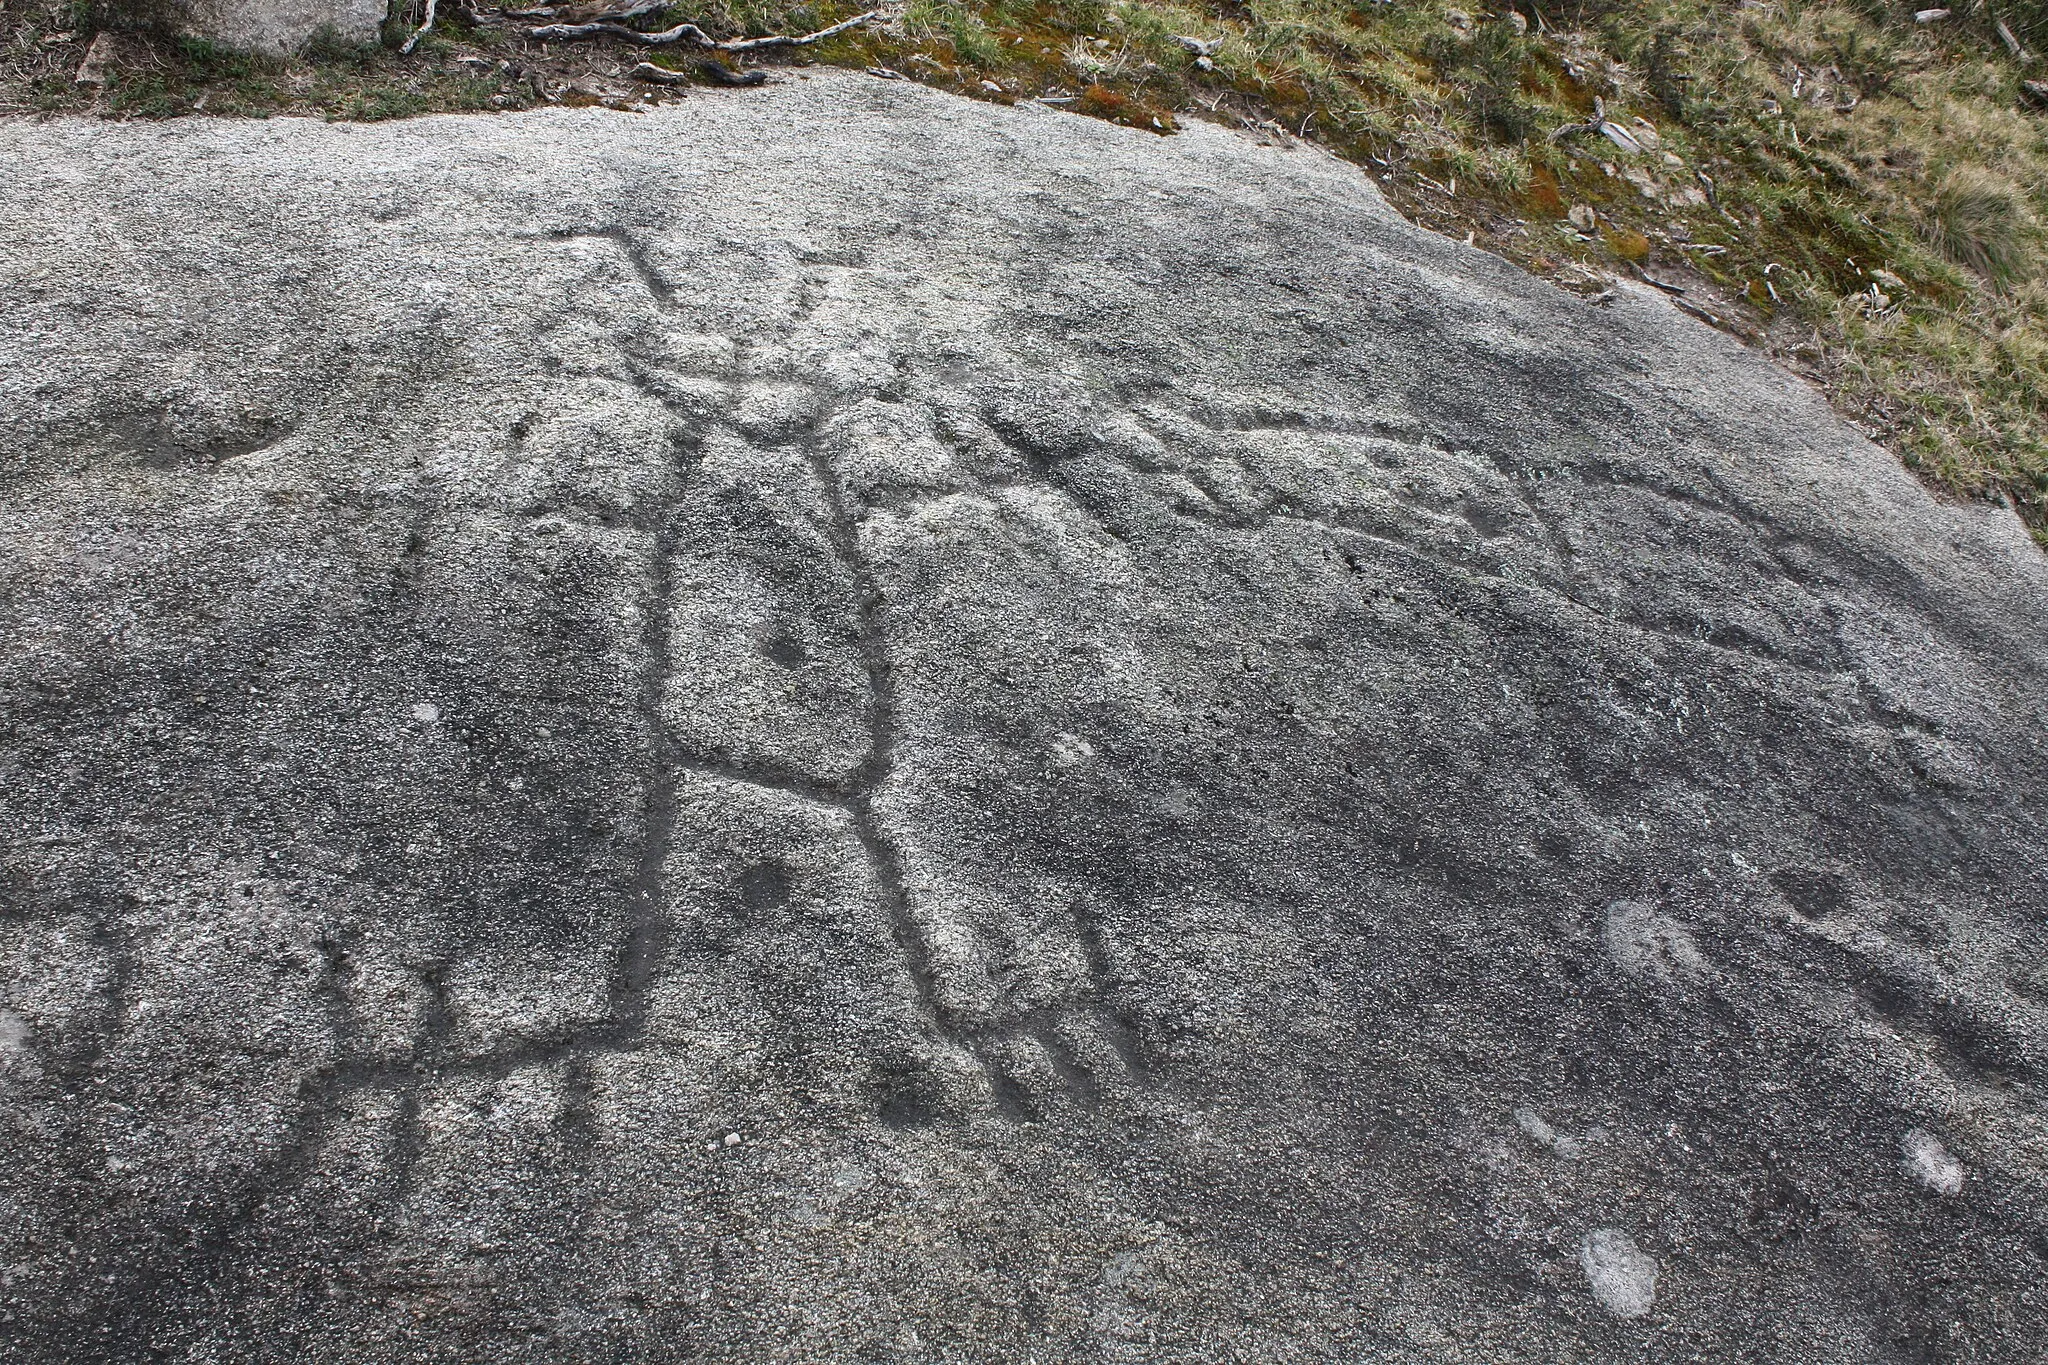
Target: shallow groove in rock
(843, 531)
(632, 248)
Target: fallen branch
(718, 73)
(710, 69)
(1605, 127)
(1596, 124)
(2012, 44)
(405, 49)
(602, 28)
(1688, 306)
(631, 11)
(658, 75)
(693, 35)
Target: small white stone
(1931, 1163)
(1070, 751)
(732, 1139)
(1623, 1277)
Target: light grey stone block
(284, 26)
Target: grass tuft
(1981, 220)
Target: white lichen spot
(1543, 1135)
(1650, 945)
(1070, 751)
(426, 712)
(1623, 1276)
(1127, 1281)
(13, 1034)
(1931, 1163)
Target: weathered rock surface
(837, 724)
(280, 26)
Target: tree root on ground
(690, 33)
(405, 49)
